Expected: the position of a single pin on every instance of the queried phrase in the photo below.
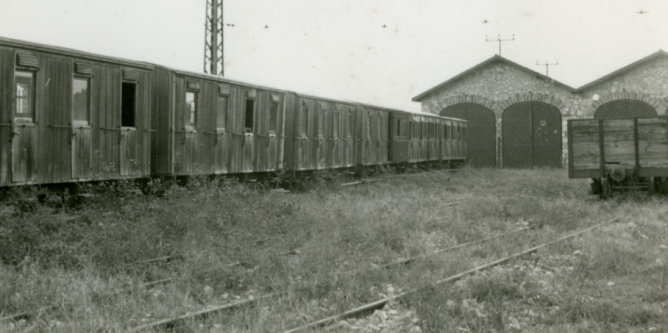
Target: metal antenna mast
(499, 40)
(213, 38)
(547, 66)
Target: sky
(339, 48)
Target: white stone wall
(499, 85)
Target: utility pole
(499, 40)
(213, 38)
(547, 66)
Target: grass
(76, 257)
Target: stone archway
(481, 145)
(624, 108)
(532, 135)
(618, 103)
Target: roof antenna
(547, 66)
(499, 40)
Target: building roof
(624, 69)
(494, 59)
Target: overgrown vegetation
(72, 260)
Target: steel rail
(200, 314)
(204, 313)
(381, 303)
(410, 260)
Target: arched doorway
(531, 133)
(624, 108)
(481, 132)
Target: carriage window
(250, 107)
(81, 100)
(351, 122)
(273, 117)
(191, 107)
(128, 98)
(398, 127)
(25, 90)
(221, 112)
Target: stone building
(517, 116)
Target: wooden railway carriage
(620, 154)
(320, 133)
(207, 125)
(373, 139)
(69, 116)
(417, 137)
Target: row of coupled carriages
(68, 116)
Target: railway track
(204, 313)
(369, 307)
(171, 323)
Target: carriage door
(272, 151)
(23, 136)
(336, 145)
(81, 127)
(222, 137)
(350, 127)
(320, 152)
(128, 144)
(302, 138)
(249, 131)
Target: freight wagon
(619, 154)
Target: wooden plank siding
(596, 144)
(51, 148)
(204, 148)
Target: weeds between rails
(114, 192)
(173, 322)
(170, 323)
(381, 303)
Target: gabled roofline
(623, 69)
(485, 63)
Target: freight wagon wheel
(606, 189)
(595, 186)
(662, 185)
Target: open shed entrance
(481, 132)
(531, 133)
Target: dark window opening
(128, 104)
(273, 117)
(191, 107)
(25, 94)
(221, 114)
(398, 127)
(351, 120)
(250, 107)
(81, 100)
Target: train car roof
(20, 44)
(219, 78)
(415, 113)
